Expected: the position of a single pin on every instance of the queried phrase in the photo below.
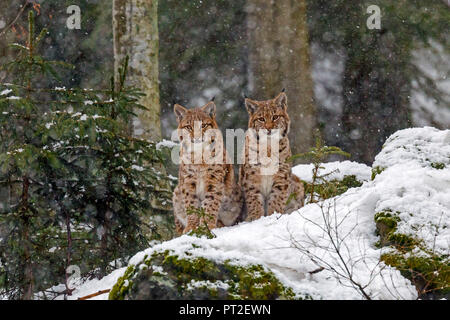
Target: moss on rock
(429, 272)
(165, 275)
(376, 171)
(438, 165)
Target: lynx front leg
(211, 204)
(279, 194)
(255, 204)
(193, 222)
(190, 200)
(178, 226)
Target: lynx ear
(281, 100)
(210, 109)
(179, 111)
(251, 106)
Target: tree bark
(279, 57)
(28, 285)
(375, 96)
(135, 29)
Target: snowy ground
(286, 244)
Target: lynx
(204, 184)
(269, 191)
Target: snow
(5, 92)
(49, 125)
(166, 143)
(337, 169)
(137, 168)
(209, 284)
(408, 184)
(95, 285)
(420, 192)
(415, 146)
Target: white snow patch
(166, 143)
(337, 169)
(95, 285)
(5, 92)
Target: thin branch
(94, 294)
(16, 18)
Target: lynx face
(269, 117)
(197, 128)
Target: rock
(413, 225)
(167, 276)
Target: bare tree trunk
(279, 57)
(28, 285)
(135, 28)
(375, 96)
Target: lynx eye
(275, 117)
(261, 119)
(205, 125)
(189, 128)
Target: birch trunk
(279, 57)
(135, 29)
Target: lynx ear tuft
(210, 109)
(251, 106)
(281, 100)
(179, 111)
(283, 90)
(213, 98)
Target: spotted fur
(202, 185)
(281, 191)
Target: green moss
(402, 241)
(212, 280)
(388, 218)
(430, 273)
(202, 231)
(255, 283)
(122, 285)
(333, 188)
(386, 222)
(376, 171)
(438, 165)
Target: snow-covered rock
(332, 250)
(413, 208)
(336, 170)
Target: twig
(94, 294)
(16, 18)
(317, 270)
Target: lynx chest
(266, 185)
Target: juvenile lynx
(266, 191)
(205, 184)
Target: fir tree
(77, 184)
